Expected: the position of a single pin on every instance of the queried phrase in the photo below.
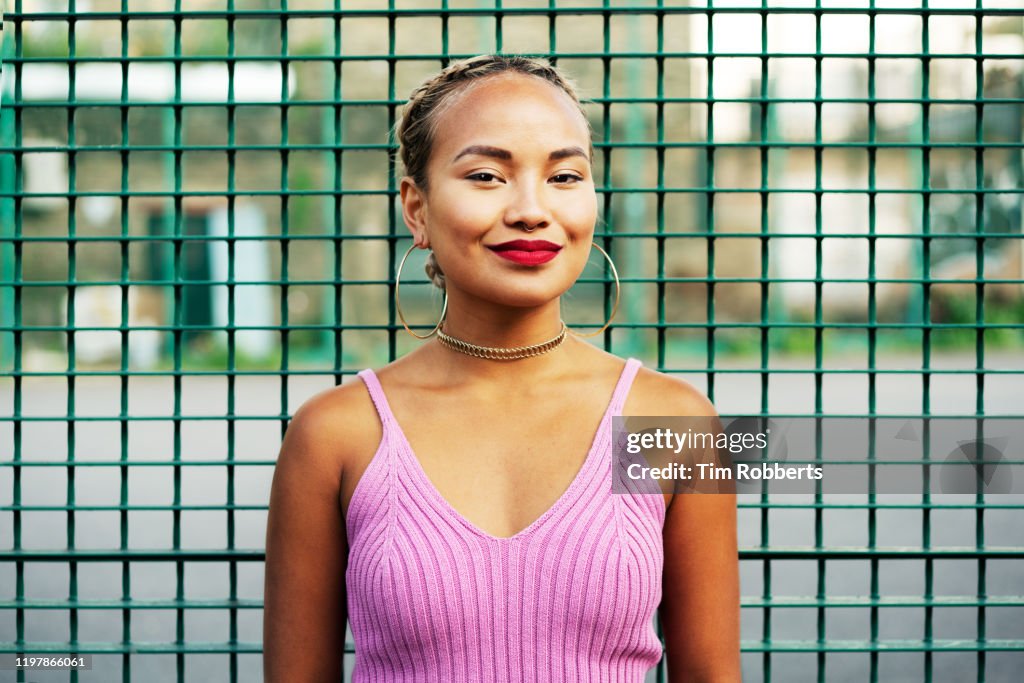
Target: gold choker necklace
(500, 352)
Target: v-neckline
(449, 509)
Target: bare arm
(304, 612)
(701, 596)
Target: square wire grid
(770, 184)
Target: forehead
(518, 112)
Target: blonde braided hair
(416, 129)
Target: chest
(501, 466)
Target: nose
(527, 209)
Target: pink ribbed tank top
(431, 597)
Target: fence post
(7, 187)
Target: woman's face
(510, 154)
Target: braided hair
(416, 129)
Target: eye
(572, 178)
(482, 176)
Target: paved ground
(258, 440)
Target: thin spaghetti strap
(629, 371)
(387, 418)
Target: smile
(527, 252)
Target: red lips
(527, 252)
(526, 245)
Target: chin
(524, 296)
(526, 299)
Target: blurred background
(813, 210)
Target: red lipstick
(526, 252)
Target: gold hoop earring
(615, 306)
(398, 305)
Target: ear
(414, 212)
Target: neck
(522, 327)
(503, 340)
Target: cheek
(579, 215)
(464, 216)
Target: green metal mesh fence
(815, 208)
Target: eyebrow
(567, 152)
(504, 154)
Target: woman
(448, 504)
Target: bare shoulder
(330, 426)
(652, 393)
(659, 393)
